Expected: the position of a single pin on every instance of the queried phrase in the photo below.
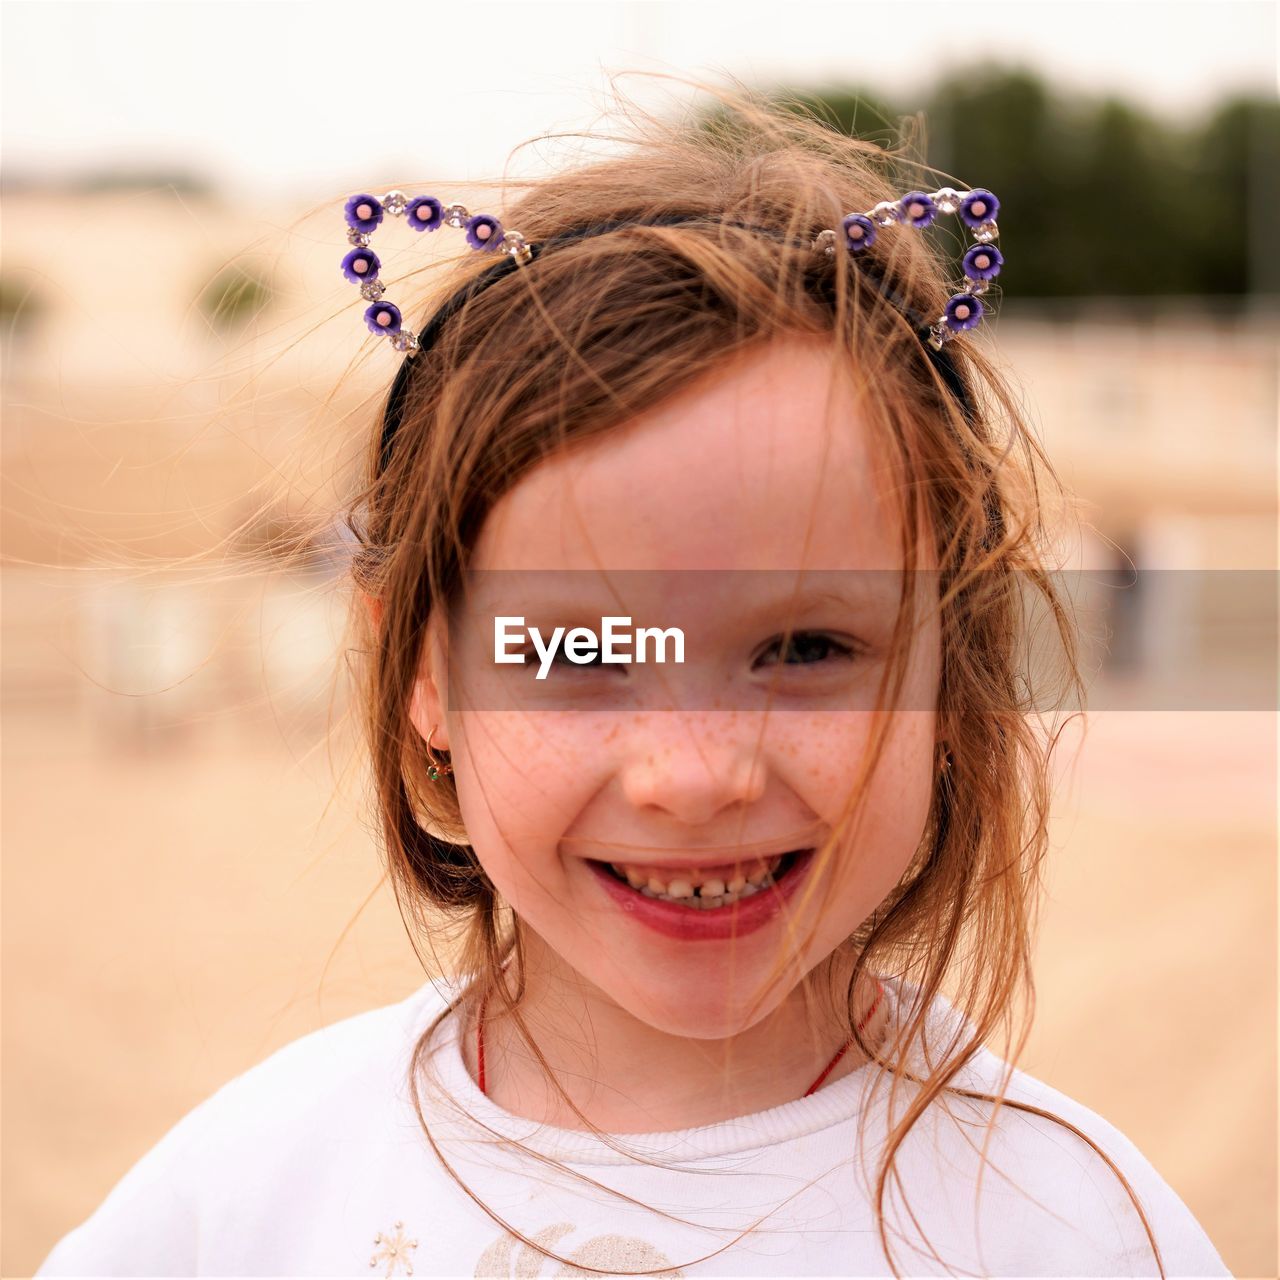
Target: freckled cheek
(522, 780)
(820, 758)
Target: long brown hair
(612, 325)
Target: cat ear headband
(981, 264)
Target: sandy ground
(173, 916)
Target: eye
(805, 648)
(562, 659)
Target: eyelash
(835, 648)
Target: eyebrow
(854, 590)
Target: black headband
(394, 410)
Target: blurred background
(189, 880)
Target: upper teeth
(713, 891)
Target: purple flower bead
(484, 232)
(979, 206)
(859, 232)
(425, 213)
(383, 317)
(363, 212)
(360, 265)
(917, 209)
(963, 312)
(983, 262)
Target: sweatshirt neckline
(840, 1101)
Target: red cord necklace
(875, 1004)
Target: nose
(693, 772)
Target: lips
(674, 919)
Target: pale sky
(301, 97)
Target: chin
(691, 1007)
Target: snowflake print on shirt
(393, 1250)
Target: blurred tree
(1130, 193)
(1098, 197)
(233, 297)
(857, 112)
(117, 178)
(20, 307)
(1000, 130)
(1230, 211)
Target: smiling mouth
(706, 890)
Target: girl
(698, 908)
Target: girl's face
(695, 776)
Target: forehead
(767, 463)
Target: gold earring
(436, 768)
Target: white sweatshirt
(313, 1163)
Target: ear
(373, 607)
(429, 703)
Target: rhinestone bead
(825, 242)
(405, 341)
(358, 238)
(372, 290)
(938, 334)
(394, 202)
(947, 199)
(985, 233)
(456, 215)
(886, 213)
(977, 286)
(514, 244)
